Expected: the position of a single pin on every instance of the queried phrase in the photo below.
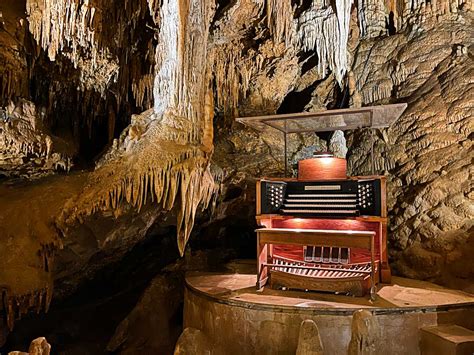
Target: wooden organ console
(323, 231)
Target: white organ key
(320, 211)
(319, 201)
(321, 206)
(322, 195)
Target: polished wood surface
(322, 169)
(337, 238)
(267, 238)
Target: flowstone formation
(154, 87)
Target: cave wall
(428, 152)
(155, 87)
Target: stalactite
(279, 15)
(38, 298)
(104, 66)
(182, 172)
(374, 15)
(327, 32)
(164, 155)
(233, 73)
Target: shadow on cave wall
(85, 322)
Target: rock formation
(309, 341)
(27, 149)
(365, 334)
(193, 341)
(140, 98)
(39, 346)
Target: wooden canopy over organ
(324, 231)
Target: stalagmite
(39, 346)
(280, 20)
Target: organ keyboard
(311, 234)
(340, 198)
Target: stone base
(237, 319)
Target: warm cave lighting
(323, 155)
(325, 158)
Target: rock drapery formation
(162, 69)
(165, 153)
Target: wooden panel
(356, 286)
(348, 239)
(262, 258)
(322, 169)
(258, 196)
(383, 196)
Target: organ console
(323, 231)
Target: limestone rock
(309, 342)
(365, 334)
(39, 346)
(149, 328)
(27, 148)
(152, 70)
(193, 341)
(427, 153)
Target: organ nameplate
(322, 187)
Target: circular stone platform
(229, 310)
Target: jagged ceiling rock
(27, 148)
(13, 61)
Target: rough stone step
(447, 339)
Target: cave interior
(125, 171)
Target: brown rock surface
(309, 341)
(39, 346)
(193, 341)
(151, 328)
(428, 153)
(365, 334)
